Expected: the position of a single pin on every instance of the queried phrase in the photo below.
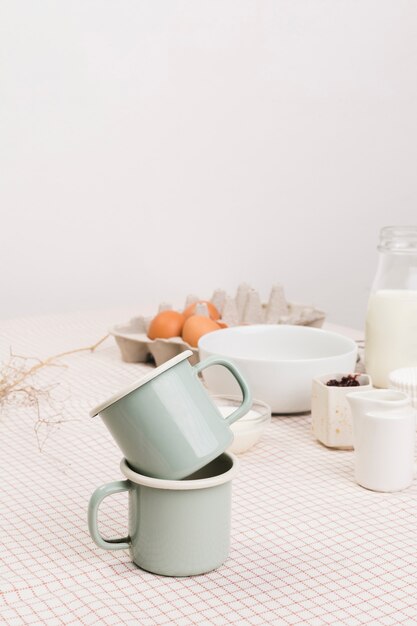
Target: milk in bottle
(391, 321)
(391, 333)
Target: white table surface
(309, 546)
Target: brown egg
(222, 324)
(213, 312)
(196, 326)
(166, 324)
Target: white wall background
(149, 149)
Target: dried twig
(16, 386)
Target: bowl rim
(261, 327)
(263, 416)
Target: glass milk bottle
(391, 321)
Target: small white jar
(405, 380)
(330, 412)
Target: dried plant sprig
(17, 386)
(12, 375)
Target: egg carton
(136, 347)
(245, 308)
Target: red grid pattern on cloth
(309, 546)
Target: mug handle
(95, 501)
(246, 392)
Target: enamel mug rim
(139, 383)
(186, 484)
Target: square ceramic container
(330, 411)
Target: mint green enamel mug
(166, 424)
(176, 527)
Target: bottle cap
(398, 239)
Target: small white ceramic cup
(384, 427)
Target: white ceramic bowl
(278, 361)
(248, 429)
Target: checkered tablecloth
(309, 546)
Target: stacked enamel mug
(177, 472)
